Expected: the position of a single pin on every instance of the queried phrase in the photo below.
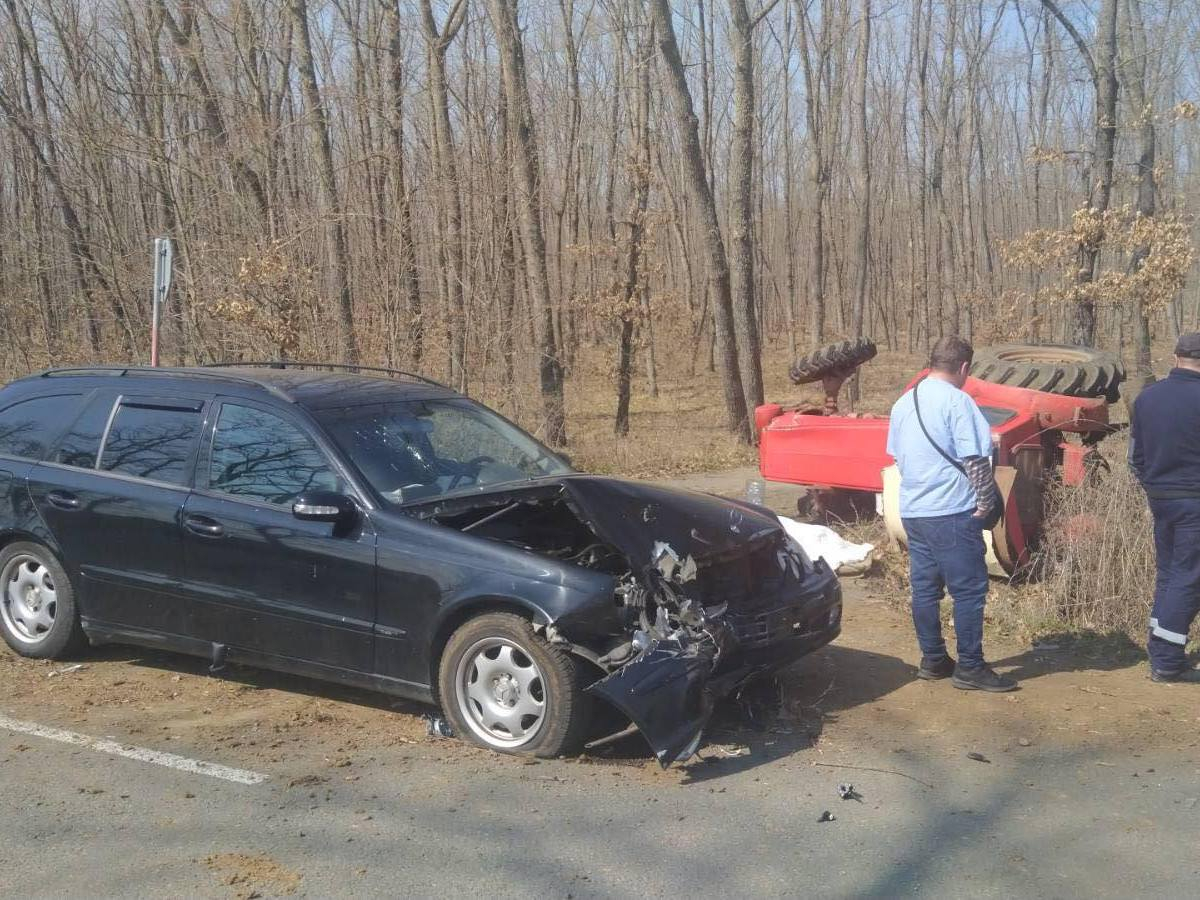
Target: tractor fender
(1007, 544)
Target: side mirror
(325, 506)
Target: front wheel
(38, 616)
(506, 688)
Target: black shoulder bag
(997, 507)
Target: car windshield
(417, 449)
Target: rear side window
(151, 442)
(257, 455)
(81, 445)
(28, 427)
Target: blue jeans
(948, 552)
(1177, 587)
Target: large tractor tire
(1053, 368)
(836, 359)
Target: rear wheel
(1053, 368)
(834, 359)
(38, 616)
(506, 688)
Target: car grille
(746, 581)
(772, 626)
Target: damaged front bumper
(669, 690)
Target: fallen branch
(1088, 690)
(870, 769)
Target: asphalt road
(429, 817)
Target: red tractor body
(848, 452)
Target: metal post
(162, 284)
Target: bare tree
(1101, 64)
(320, 128)
(702, 196)
(744, 251)
(438, 41)
(525, 152)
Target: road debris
(826, 816)
(978, 757)
(847, 792)
(437, 726)
(1025, 742)
(67, 671)
(730, 751)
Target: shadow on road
(1084, 651)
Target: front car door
(110, 494)
(285, 589)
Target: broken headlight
(796, 556)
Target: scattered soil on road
(859, 691)
(1076, 693)
(253, 875)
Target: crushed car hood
(636, 517)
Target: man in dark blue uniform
(1164, 451)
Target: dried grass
(1096, 569)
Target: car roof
(310, 385)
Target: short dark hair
(949, 354)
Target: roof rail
(185, 372)
(333, 367)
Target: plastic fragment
(67, 671)
(437, 726)
(847, 792)
(731, 752)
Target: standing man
(1164, 450)
(942, 446)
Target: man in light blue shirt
(942, 446)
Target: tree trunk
(1134, 75)
(525, 157)
(455, 271)
(697, 184)
(410, 286)
(742, 189)
(320, 129)
(864, 218)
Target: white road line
(170, 760)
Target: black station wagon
(381, 530)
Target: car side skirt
(106, 633)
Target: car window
(151, 442)
(261, 456)
(81, 445)
(26, 428)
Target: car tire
(38, 615)
(504, 687)
(835, 359)
(1052, 368)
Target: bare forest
(565, 207)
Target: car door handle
(203, 526)
(63, 499)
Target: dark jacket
(1164, 447)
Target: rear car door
(111, 494)
(286, 588)
(28, 428)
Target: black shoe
(984, 678)
(1187, 676)
(936, 669)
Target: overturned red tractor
(1047, 406)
